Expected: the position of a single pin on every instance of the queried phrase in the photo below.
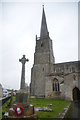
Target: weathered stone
(22, 94)
(48, 79)
(28, 112)
(23, 61)
(22, 97)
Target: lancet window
(56, 86)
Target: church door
(76, 94)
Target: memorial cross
(23, 60)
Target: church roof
(71, 62)
(44, 30)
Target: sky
(20, 22)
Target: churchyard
(56, 105)
(21, 106)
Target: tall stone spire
(44, 30)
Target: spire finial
(43, 5)
(44, 30)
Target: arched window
(56, 86)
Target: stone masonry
(48, 79)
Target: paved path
(76, 110)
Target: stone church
(48, 79)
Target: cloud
(21, 22)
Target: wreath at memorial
(19, 111)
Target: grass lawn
(57, 106)
(4, 107)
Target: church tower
(43, 60)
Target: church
(48, 79)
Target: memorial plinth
(22, 97)
(22, 109)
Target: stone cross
(23, 61)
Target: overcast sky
(20, 22)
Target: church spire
(44, 30)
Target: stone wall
(66, 67)
(38, 79)
(49, 93)
(48, 87)
(43, 65)
(68, 78)
(69, 84)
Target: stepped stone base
(32, 117)
(28, 112)
(21, 101)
